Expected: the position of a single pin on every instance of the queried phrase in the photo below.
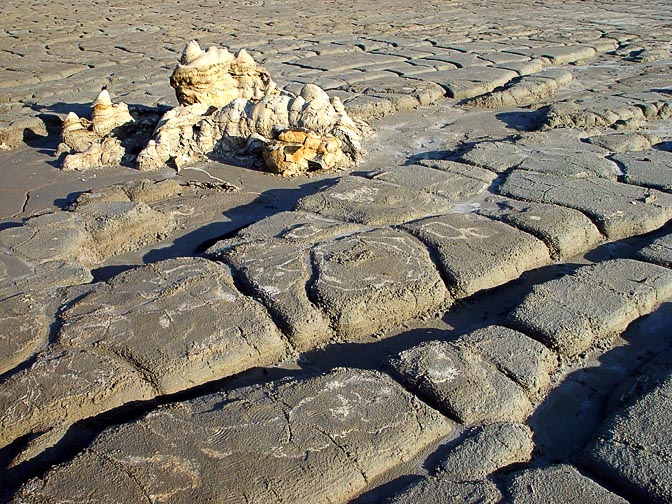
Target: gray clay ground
(479, 312)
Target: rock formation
(297, 151)
(229, 107)
(103, 152)
(216, 77)
(107, 116)
(90, 143)
(273, 124)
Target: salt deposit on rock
(75, 134)
(106, 152)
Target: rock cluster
(88, 142)
(229, 106)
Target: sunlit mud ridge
(229, 107)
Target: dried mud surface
(477, 311)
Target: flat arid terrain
(328, 252)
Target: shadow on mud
(268, 203)
(627, 247)
(570, 414)
(523, 120)
(455, 154)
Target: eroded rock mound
(296, 133)
(87, 142)
(216, 77)
(111, 137)
(229, 106)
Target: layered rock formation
(229, 107)
(90, 143)
(216, 77)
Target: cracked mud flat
(477, 312)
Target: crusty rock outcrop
(88, 143)
(295, 133)
(229, 106)
(216, 77)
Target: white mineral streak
(229, 106)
